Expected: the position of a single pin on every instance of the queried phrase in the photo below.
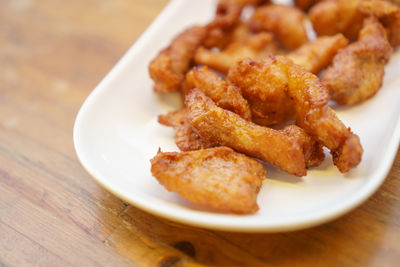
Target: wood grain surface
(52, 54)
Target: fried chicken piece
(224, 94)
(226, 128)
(220, 38)
(254, 46)
(316, 118)
(218, 178)
(226, 18)
(357, 70)
(312, 149)
(249, 2)
(285, 21)
(225, 25)
(305, 4)
(186, 138)
(169, 67)
(309, 98)
(227, 14)
(330, 17)
(316, 55)
(396, 2)
(264, 89)
(388, 13)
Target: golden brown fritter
(316, 55)
(285, 21)
(265, 90)
(186, 138)
(248, 2)
(220, 38)
(224, 94)
(169, 67)
(396, 2)
(388, 13)
(312, 149)
(226, 128)
(218, 178)
(254, 46)
(305, 4)
(227, 18)
(226, 24)
(330, 17)
(227, 14)
(357, 70)
(309, 98)
(316, 118)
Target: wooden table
(52, 54)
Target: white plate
(116, 133)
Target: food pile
(240, 79)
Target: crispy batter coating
(226, 24)
(305, 4)
(285, 21)
(168, 68)
(396, 2)
(316, 55)
(227, 17)
(254, 46)
(226, 128)
(227, 14)
(217, 178)
(224, 94)
(330, 17)
(307, 95)
(220, 38)
(186, 138)
(357, 70)
(248, 2)
(316, 118)
(265, 90)
(312, 149)
(388, 13)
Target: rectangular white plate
(116, 133)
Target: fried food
(396, 2)
(186, 138)
(217, 178)
(169, 67)
(309, 98)
(330, 17)
(227, 17)
(284, 21)
(346, 16)
(264, 89)
(254, 46)
(305, 4)
(226, 128)
(316, 55)
(357, 70)
(312, 149)
(388, 13)
(314, 116)
(220, 38)
(224, 94)
(249, 2)
(227, 14)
